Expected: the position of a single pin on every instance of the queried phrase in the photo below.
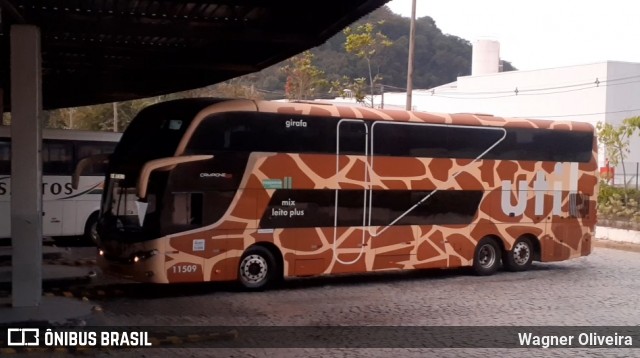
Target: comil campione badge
(216, 175)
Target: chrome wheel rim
(521, 253)
(253, 269)
(487, 255)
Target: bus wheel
(520, 256)
(486, 259)
(91, 228)
(257, 268)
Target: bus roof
(365, 113)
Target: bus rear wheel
(258, 269)
(486, 259)
(520, 256)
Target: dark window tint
(432, 141)
(5, 157)
(185, 212)
(191, 210)
(268, 132)
(440, 208)
(300, 208)
(545, 145)
(353, 137)
(316, 208)
(579, 205)
(418, 140)
(199, 193)
(472, 142)
(407, 140)
(57, 158)
(222, 172)
(154, 133)
(87, 149)
(216, 204)
(264, 132)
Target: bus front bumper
(142, 268)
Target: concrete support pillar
(26, 166)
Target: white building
(598, 92)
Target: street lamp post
(412, 40)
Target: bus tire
(91, 228)
(520, 256)
(258, 269)
(486, 259)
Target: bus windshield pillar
(26, 166)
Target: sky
(542, 33)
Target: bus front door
(350, 236)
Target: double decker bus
(254, 191)
(67, 211)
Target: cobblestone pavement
(601, 289)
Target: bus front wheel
(486, 259)
(257, 269)
(91, 228)
(520, 256)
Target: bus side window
(57, 158)
(352, 137)
(87, 149)
(187, 210)
(239, 138)
(5, 157)
(579, 205)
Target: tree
(352, 88)
(367, 45)
(616, 142)
(304, 79)
(242, 87)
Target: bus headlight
(143, 255)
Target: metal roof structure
(97, 51)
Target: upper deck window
(271, 132)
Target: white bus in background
(66, 211)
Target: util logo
(541, 185)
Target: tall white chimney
(485, 58)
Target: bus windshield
(154, 133)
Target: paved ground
(601, 289)
(598, 290)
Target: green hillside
(439, 58)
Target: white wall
(623, 101)
(539, 95)
(563, 93)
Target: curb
(69, 262)
(85, 294)
(617, 245)
(5, 259)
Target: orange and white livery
(220, 190)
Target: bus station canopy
(97, 51)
